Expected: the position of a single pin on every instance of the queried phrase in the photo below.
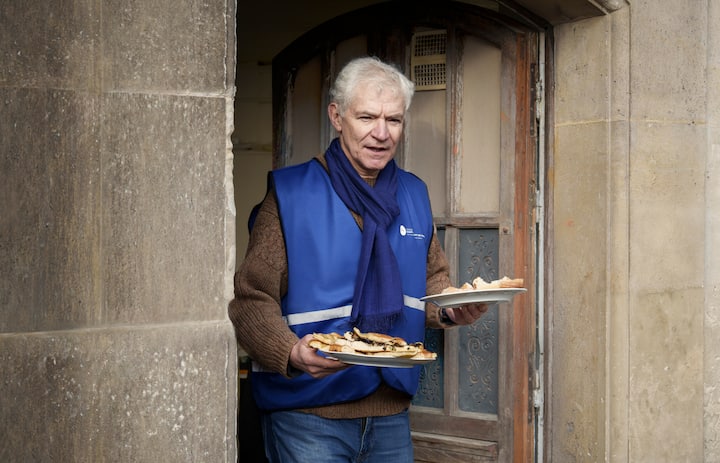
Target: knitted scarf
(377, 300)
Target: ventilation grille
(428, 60)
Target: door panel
(479, 160)
(468, 137)
(427, 137)
(306, 113)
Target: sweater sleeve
(438, 278)
(260, 283)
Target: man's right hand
(306, 359)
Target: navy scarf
(378, 298)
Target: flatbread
(371, 344)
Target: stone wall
(711, 329)
(117, 229)
(116, 211)
(635, 274)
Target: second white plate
(377, 361)
(488, 296)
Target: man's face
(370, 129)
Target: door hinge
(538, 206)
(537, 396)
(538, 89)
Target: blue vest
(323, 243)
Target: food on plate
(375, 344)
(479, 283)
(504, 282)
(453, 289)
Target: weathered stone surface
(581, 93)
(667, 225)
(617, 302)
(114, 158)
(152, 394)
(580, 223)
(590, 226)
(160, 212)
(164, 208)
(711, 322)
(50, 222)
(666, 388)
(167, 45)
(48, 44)
(666, 188)
(633, 336)
(668, 49)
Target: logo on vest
(406, 231)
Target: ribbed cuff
(444, 318)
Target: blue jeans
(295, 437)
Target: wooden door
(470, 136)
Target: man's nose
(380, 131)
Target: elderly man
(345, 240)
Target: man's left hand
(466, 314)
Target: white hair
(369, 70)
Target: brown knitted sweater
(260, 284)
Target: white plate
(488, 296)
(377, 361)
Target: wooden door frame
(524, 230)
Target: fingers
(305, 358)
(467, 314)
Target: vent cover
(428, 60)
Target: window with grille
(428, 60)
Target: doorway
(471, 135)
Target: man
(344, 240)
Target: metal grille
(428, 44)
(430, 75)
(428, 60)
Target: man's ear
(334, 116)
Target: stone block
(667, 299)
(153, 394)
(667, 207)
(166, 46)
(163, 208)
(579, 179)
(48, 44)
(50, 223)
(666, 376)
(669, 53)
(619, 76)
(582, 64)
